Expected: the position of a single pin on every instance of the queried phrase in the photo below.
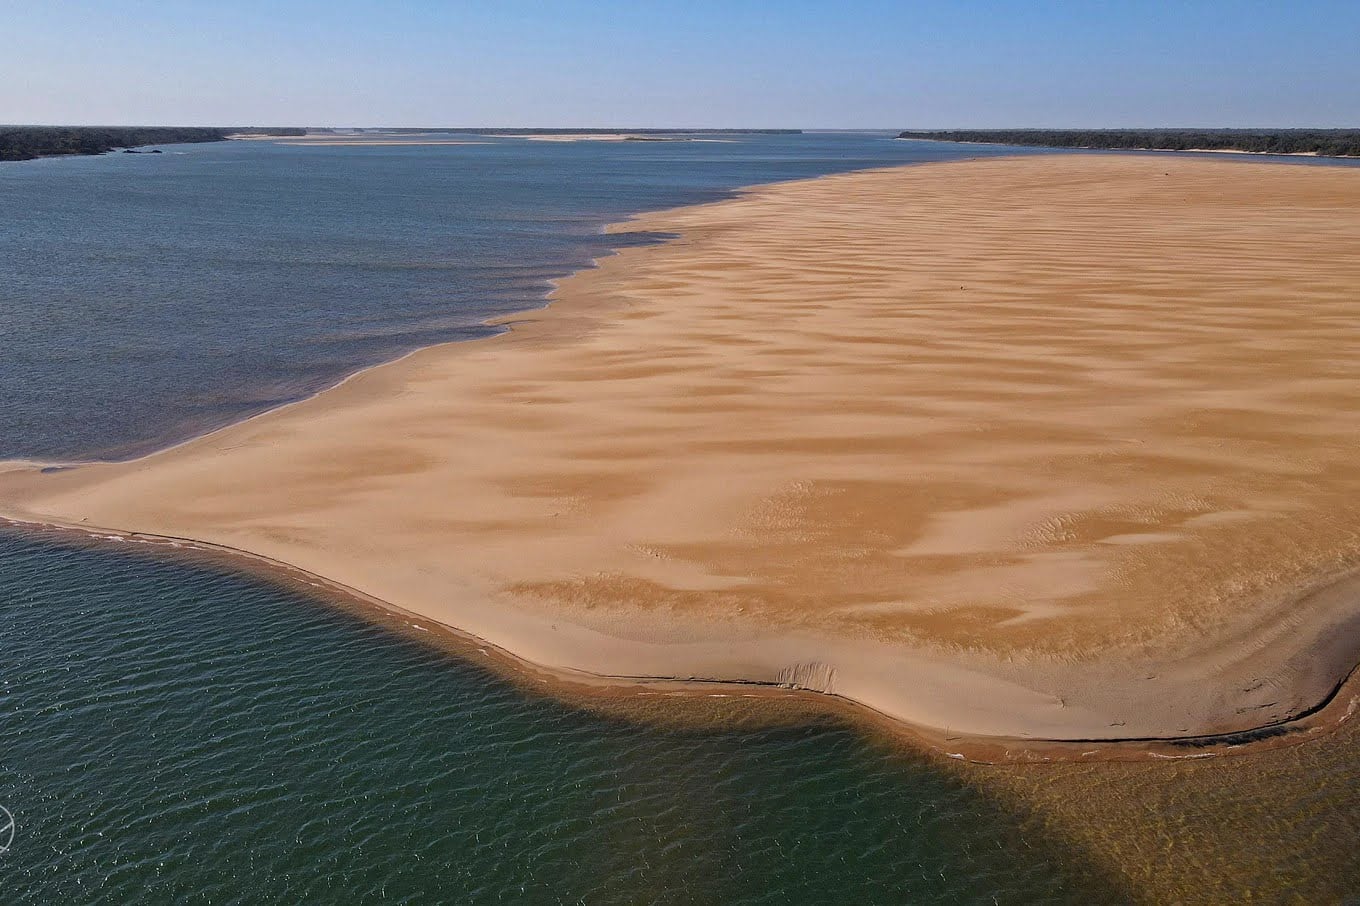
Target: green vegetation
(1323, 142)
(28, 142)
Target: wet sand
(1058, 447)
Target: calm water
(147, 298)
(171, 732)
(174, 734)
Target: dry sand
(1057, 447)
(345, 140)
(334, 143)
(617, 137)
(579, 137)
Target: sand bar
(617, 137)
(350, 143)
(1055, 447)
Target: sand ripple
(1055, 446)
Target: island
(1028, 457)
(30, 142)
(1313, 142)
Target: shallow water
(176, 733)
(169, 731)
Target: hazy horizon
(627, 127)
(573, 64)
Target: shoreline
(581, 687)
(590, 313)
(1061, 148)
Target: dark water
(173, 733)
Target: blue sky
(794, 63)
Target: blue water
(171, 732)
(174, 733)
(148, 298)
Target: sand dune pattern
(1061, 447)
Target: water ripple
(278, 751)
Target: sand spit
(348, 140)
(617, 137)
(1159, 150)
(349, 143)
(1049, 448)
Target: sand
(347, 140)
(617, 137)
(1046, 448)
(335, 143)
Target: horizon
(614, 451)
(866, 66)
(683, 128)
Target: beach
(1052, 448)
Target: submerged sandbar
(1059, 447)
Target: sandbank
(1125, 150)
(617, 137)
(332, 143)
(1048, 448)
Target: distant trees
(1324, 142)
(28, 142)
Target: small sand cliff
(1060, 447)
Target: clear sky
(793, 63)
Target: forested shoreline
(29, 142)
(1322, 142)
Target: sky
(701, 63)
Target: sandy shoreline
(619, 137)
(732, 701)
(962, 511)
(348, 143)
(1140, 150)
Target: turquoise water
(173, 733)
(170, 732)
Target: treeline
(28, 142)
(1324, 142)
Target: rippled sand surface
(1056, 447)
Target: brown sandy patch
(1054, 447)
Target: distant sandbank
(1141, 150)
(333, 143)
(343, 140)
(1010, 450)
(616, 137)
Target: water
(177, 734)
(148, 298)
(172, 732)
